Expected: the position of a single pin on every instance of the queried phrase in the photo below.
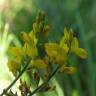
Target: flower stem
(23, 70)
(42, 85)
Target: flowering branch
(43, 55)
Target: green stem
(24, 69)
(42, 85)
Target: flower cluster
(44, 54)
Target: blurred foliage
(80, 15)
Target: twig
(24, 69)
(42, 85)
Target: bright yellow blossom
(29, 38)
(56, 52)
(17, 53)
(38, 63)
(14, 66)
(70, 43)
(66, 35)
(78, 51)
(30, 50)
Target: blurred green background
(80, 15)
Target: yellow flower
(29, 38)
(24, 36)
(30, 50)
(68, 41)
(52, 49)
(64, 46)
(78, 51)
(65, 40)
(81, 53)
(66, 35)
(38, 63)
(55, 52)
(32, 38)
(14, 66)
(17, 53)
(35, 27)
(74, 44)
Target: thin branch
(24, 69)
(42, 85)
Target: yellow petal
(65, 47)
(38, 63)
(30, 50)
(14, 66)
(54, 51)
(16, 51)
(81, 53)
(74, 44)
(62, 41)
(61, 57)
(35, 27)
(24, 37)
(51, 49)
(28, 37)
(32, 38)
(66, 34)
